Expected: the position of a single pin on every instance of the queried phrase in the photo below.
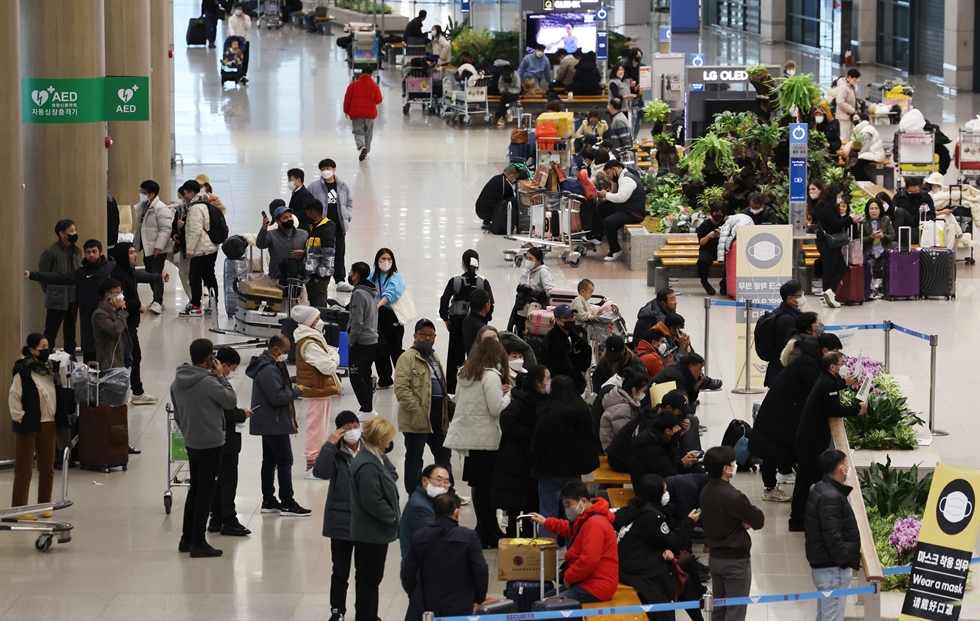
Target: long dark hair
(471, 254)
(567, 403)
(829, 195)
(377, 270)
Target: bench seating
(625, 596)
(619, 496)
(604, 475)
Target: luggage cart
(916, 152)
(417, 87)
(270, 14)
(572, 246)
(967, 155)
(176, 460)
(364, 49)
(460, 106)
(48, 530)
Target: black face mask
(288, 224)
(350, 281)
(43, 354)
(73, 238)
(390, 447)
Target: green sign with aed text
(79, 100)
(86, 100)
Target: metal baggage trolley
(462, 105)
(572, 246)
(364, 49)
(176, 460)
(271, 14)
(968, 156)
(9, 521)
(915, 152)
(417, 87)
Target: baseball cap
(281, 210)
(563, 311)
(615, 345)
(424, 323)
(674, 399)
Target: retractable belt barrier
(706, 604)
(885, 327)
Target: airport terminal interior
(415, 195)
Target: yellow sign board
(946, 541)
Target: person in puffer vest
(316, 366)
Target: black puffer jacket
(562, 444)
(512, 478)
(774, 434)
(568, 354)
(618, 451)
(832, 538)
(681, 374)
(652, 452)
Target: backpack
(737, 436)
(234, 247)
(218, 232)
(765, 338)
(462, 307)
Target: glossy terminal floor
(415, 195)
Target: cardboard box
(520, 559)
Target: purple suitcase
(901, 274)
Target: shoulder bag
(404, 307)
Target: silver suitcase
(264, 324)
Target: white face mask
(282, 357)
(547, 388)
(384, 266)
(434, 491)
(318, 326)
(815, 195)
(791, 72)
(801, 302)
(539, 54)
(661, 348)
(238, 12)
(665, 499)
(839, 200)
(734, 468)
(327, 175)
(143, 198)
(351, 436)
(818, 119)
(756, 211)
(516, 365)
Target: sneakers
(776, 495)
(235, 530)
(830, 299)
(710, 384)
(464, 500)
(363, 155)
(144, 399)
(134, 451)
(594, 241)
(295, 511)
(336, 615)
(612, 256)
(309, 476)
(500, 123)
(205, 551)
(271, 506)
(155, 308)
(344, 287)
(785, 479)
(193, 311)
(47, 514)
(363, 416)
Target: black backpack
(234, 247)
(737, 436)
(765, 338)
(218, 232)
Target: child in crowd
(583, 311)
(233, 55)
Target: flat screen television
(567, 31)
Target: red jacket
(362, 98)
(653, 362)
(593, 559)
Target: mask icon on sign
(955, 507)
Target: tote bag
(404, 307)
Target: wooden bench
(324, 24)
(625, 596)
(661, 270)
(619, 496)
(680, 241)
(604, 475)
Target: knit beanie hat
(305, 315)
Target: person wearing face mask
(824, 122)
(789, 69)
(238, 25)
(475, 319)
(197, 246)
(617, 209)
(60, 302)
(300, 197)
(362, 334)
(361, 101)
(456, 306)
(535, 286)
(727, 516)
(423, 406)
(274, 419)
(316, 367)
(652, 542)
(515, 360)
(654, 448)
(200, 394)
(441, 46)
(652, 352)
(593, 558)
(338, 206)
(783, 323)
(688, 375)
(391, 287)
(566, 348)
(619, 135)
(758, 210)
(618, 451)
(498, 189)
(536, 67)
(333, 464)
(708, 233)
(34, 404)
(831, 220)
(813, 434)
(807, 325)
(912, 204)
(872, 150)
(286, 244)
(833, 543)
(847, 102)
(434, 482)
(224, 515)
(153, 230)
(814, 190)
(621, 405)
(616, 358)
(482, 394)
(633, 65)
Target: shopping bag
(404, 307)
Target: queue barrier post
(747, 370)
(428, 616)
(933, 347)
(707, 328)
(707, 606)
(888, 345)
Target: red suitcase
(103, 437)
(851, 289)
(731, 285)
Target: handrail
(869, 553)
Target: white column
(958, 45)
(866, 18)
(772, 23)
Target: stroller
(234, 69)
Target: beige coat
(413, 390)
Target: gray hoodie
(200, 399)
(362, 327)
(272, 397)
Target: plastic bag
(114, 387)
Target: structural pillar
(772, 21)
(161, 65)
(127, 53)
(958, 44)
(864, 38)
(65, 163)
(12, 189)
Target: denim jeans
(578, 593)
(829, 579)
(548, 503)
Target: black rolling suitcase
(937, 272)
(496, 606)
(197, 31)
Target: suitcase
(556, 603)
(851, 289)
(197, 31)
(264, 324)
(901, 274)
(524, 593)
(730, 279)
(103, 437)
(253, 289)
(257, 303)
(496, 606)
(540, 322)
(937, 272)
(235, 272)
(868, 277)
(337, 314)
(563, 296)
(343, 349)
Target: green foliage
(365, 6)
(454, 28)
(656, 111)
(710, 195)
(734, 123)
(478, 43)
(664, 196)
(617, 46)
(766, 136)
(755, 70)
(711, 148)
(507, 44)
(881, 530)
(834, 174)
(890, 492)
(662, 137)
(798, 91)
(884, 424)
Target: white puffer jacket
(729, 230)
(871, 149)
(476, 424)
(198, 223)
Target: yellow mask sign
(946, 540)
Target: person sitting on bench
(627, 205)
(593, 558)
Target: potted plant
(797, 95)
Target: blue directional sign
(465, 6)
(697, 87)
(664, 35)
(602, 14)
(602, 45)
(798, 140)
(695, 60)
